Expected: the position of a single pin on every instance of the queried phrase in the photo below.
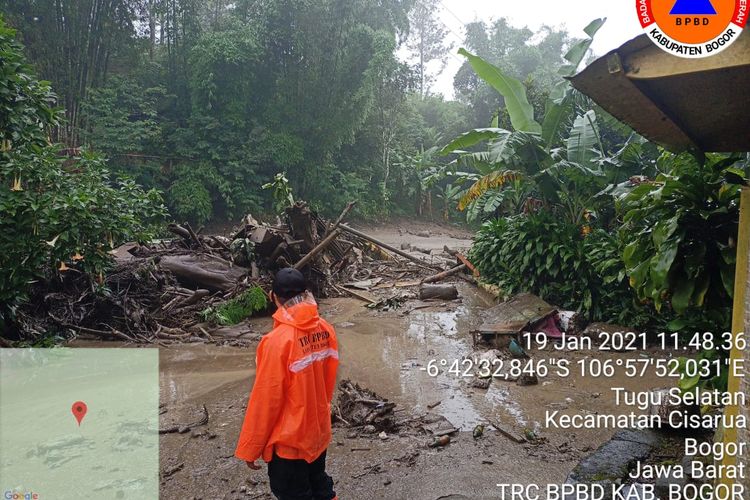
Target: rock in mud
(478, 431)
(481, 383)
(527, 379)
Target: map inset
(114, 453)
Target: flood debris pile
(507, 327)
(358, 407)
(195, 286)
(366, 413)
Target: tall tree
(427, 40)
(521, 53)
(73, 44)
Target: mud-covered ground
(387, 352)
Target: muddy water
(387, 352)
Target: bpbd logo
(693, 28)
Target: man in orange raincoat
(288, 419)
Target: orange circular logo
(693, 28)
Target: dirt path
(386, 352)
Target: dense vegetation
(208, 101)
(234, 107)
(57, 212)
(593, 218)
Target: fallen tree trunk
(211, 274)
(445, 274)
(462, 258)
(387, 246)
(443, 292)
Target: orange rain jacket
(289, 411)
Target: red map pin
(79, 410)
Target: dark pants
(298, 480)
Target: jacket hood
(299, 312)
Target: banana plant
(527, 152)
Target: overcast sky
(622, 23)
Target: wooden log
(462, 258)
(343, 214)
(443, 292)
(319, 248)
(194, 236)
(445, 274)
(203, 271)
(195, 298)
(179, 231)
(387, 246)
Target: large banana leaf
(472, 138)
(584, 137)
(520, 111)
(480, 161)
(560, 102)
(558, 107)
(578, 51)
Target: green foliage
(529, 57)
(613, 299)
(55, 212)
(233, 311)
(566, 178)
(679, 233)
(121, 117)
(26, 104)
(281, 192)
(520, 111)
(243, 251)
(239, 92)
(537, 253)
(194, 191)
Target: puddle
(389, 352)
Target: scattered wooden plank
(509, 433)
(356, 294)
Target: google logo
(14, 495)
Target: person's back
(288, 419)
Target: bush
(613, 299)
(237, 309)
(679, 233)
(58, 214)
(538, 253)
